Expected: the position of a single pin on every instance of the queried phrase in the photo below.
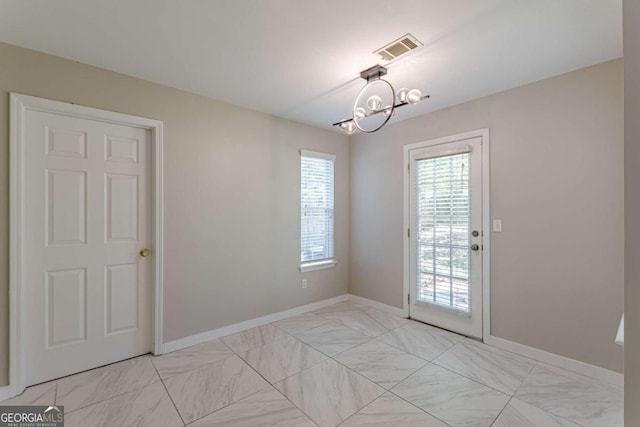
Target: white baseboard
(247, 324)
(5, 392)
(377, 305)
(602, 374)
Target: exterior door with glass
(445, 235)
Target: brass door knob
(144, 252)
(475, 247)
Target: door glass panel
(443, 236)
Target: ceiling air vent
(399, 47)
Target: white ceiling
(300, 59)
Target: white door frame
(486, 220)
(20, 104)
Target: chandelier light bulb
(348, 127)
(359, 113)
(401, 96)
(388, 110)
(374, 103)
(414, 96)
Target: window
(316, 210)
(443, 220)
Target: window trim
(328, 262)
(318, 155)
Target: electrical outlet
(304, 283)
(497, 226)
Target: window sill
(318, 265)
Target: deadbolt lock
(475, 247)
(475, 233)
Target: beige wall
(632, 211)
(231, 195)
(557, 184)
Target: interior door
(87, 285)
(445, 244)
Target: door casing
(486, 220)
(19, 105)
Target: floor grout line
(434, 362)
(525, 378)
(204, 365)
(385, 389)
(228, 405)
(190, 370)
(501, 411)
(471, 379)
(359, 374)
(113, 396)
(360, 410)
(428, 360)
(416, 406)
(166, 390)
(390, 390)
(333, 358)
(293, 403)
(273, 385)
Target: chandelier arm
(398, 105)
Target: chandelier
(376, 102)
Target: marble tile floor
(345, 364)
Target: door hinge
(409, 299)
(408, 232)
(408, 167)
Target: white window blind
(443, 220)
(316, 206)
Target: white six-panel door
(87, 288)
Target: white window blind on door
(443, 220)
(316, 206)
